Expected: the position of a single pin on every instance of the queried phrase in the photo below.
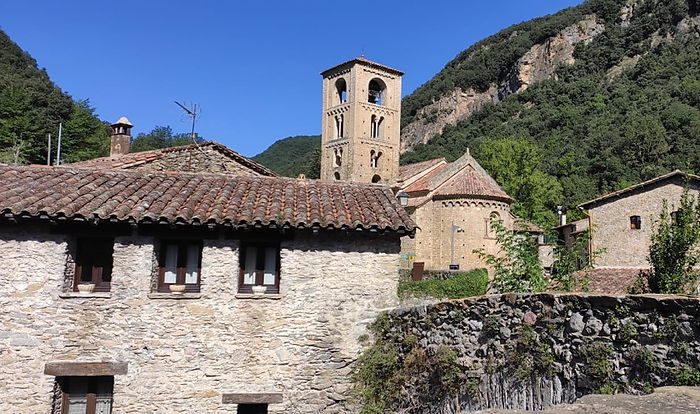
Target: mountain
(293, 156)
(32, 106)
(566, 107)
(599, 96)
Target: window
(336, 175)
(375, 94)
(86, 395)
(374, 158)
(376, 178)
(635, 223)
(341, 91)
(93, 263)
(252, 408)
(259, 266)
(376, 126)
(338, 159)
(339, 119)
(676, 217)
(490, 230)
(179, 263)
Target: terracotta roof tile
(197, 198)
(612, 280)
(469, 182)
(135, 159)
(409, 170)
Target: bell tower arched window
(375, 94)
(339, 126)
(341, 90)
(376, 127)
(374, 158)
(338, 157)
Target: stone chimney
(121, 137)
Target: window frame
(97, 273)
(635, 222)
(92, 384)
(260, 260)
(180, 272)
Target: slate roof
(624, 191)
(135, 159)
(196, 198)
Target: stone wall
(183, 354)
(433, 242)
(621, 245)
(530, 351)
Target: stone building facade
(360, 123)
(219, 347)
(622, 223)
(453, 205)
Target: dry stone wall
(531, 351)
(183, 354)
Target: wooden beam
(85, 369)
(252, 398)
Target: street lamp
(403, 198)
(455, 229)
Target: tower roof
(363, 61)
(123, 121)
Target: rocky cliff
(538, 63)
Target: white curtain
(270, 265)
(171, 264)
(192, 262)
(249, 270)
(103, 405)
(77, 405)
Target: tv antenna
(193, 113)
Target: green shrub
(462, 285)
(686, 375)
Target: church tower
(361, 122)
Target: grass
(462, 285)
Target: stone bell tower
(361, 122)
(121, 137)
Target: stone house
(208, 156)
(622, 223)
(143, 292)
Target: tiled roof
(468, 182)
(409, 170)
(422, 184)
(196, 198)
(135, 159)
(619, 193)
(614, 281)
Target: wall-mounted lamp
(403, 198)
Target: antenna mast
(191, 112)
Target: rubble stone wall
(531, 351)
(183, 354)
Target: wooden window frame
(259, 267)
(97, 272)
(91, 397)
(181, 268)
(635, 222)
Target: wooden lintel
(85, 369)
(252, 398)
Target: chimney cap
(123, 121)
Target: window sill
(78, 295)
(270, 296)
(163, 295)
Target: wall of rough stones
(530, 351)
(206, 159)
(183, 354)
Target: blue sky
(252, 66)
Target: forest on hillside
(586, 132)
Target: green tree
(516, 266)
(673, 252)
(161, 137)
(84, 135)
(515, 164)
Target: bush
(462, 285)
